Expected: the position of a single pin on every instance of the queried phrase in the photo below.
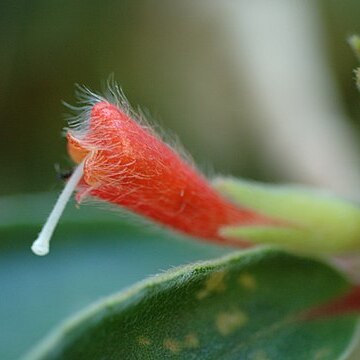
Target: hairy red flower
(126, 163)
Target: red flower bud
(127, 164)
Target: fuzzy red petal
(128, 165)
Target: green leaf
(243, 306)
(315, 222)
(94, 253)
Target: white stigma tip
(41, 245)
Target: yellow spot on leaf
(191, 341)
(228, 322)
(172, 345)
(247, 281)
(322, 354)
(213, 284)
(144, 341)
(260, 355)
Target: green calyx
(318, 223)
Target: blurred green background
(172, 58)
(188, 63)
